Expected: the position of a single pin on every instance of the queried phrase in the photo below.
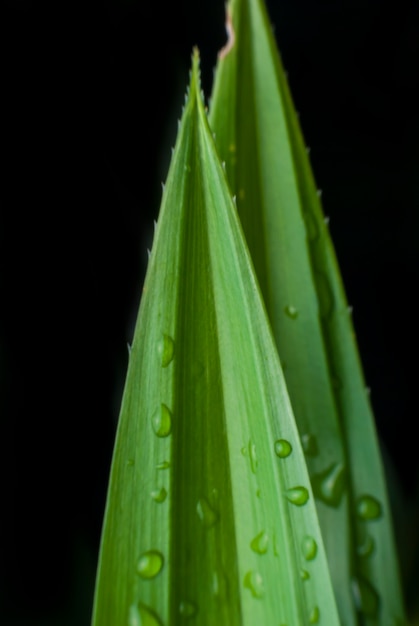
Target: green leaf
(210, 516)
(259, 138)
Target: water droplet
(329, 485)
(368, 508)
(166, 350)
(163, 465)
(304, 574)
(219, 585)
(314, 615)
(365, 597)
(260, 543)
(309, 548)
(206, 513)
(130, 462)
(309, 443)
(291, 311)
(253, 457)
(162, 421)
(241, 194)
(244, 451)
(150, 564)
(142, 615)
(297, 495)
(187, 609)
(283, 448)
(253, 581)
(232, 147)
(367, 547)
(215, 495)
(159, 495)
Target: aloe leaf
(259, 138)
(210, 516)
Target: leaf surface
(210, 516)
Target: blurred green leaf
(259, 138)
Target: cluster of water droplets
(327, 486)
(151, 562)
(366, 598)
(260, 544)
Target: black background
(90, 99)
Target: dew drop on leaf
(366, 548)
(304, 574)
(253, 581)
(187, 609)
(142, 615)
(314, 615)
(329, 485)
(159, 495)
(166, 350)
(297, 495)
(162, 421)
(260, 543)
(309, 443)
(309, 548)
(368, 508)
(291, 311)
(219, 585)
(163, 465)
(150, 564)
(365, 597)
(283, 448)
(253, 457)
(206, 513)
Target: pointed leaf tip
(195, 70)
